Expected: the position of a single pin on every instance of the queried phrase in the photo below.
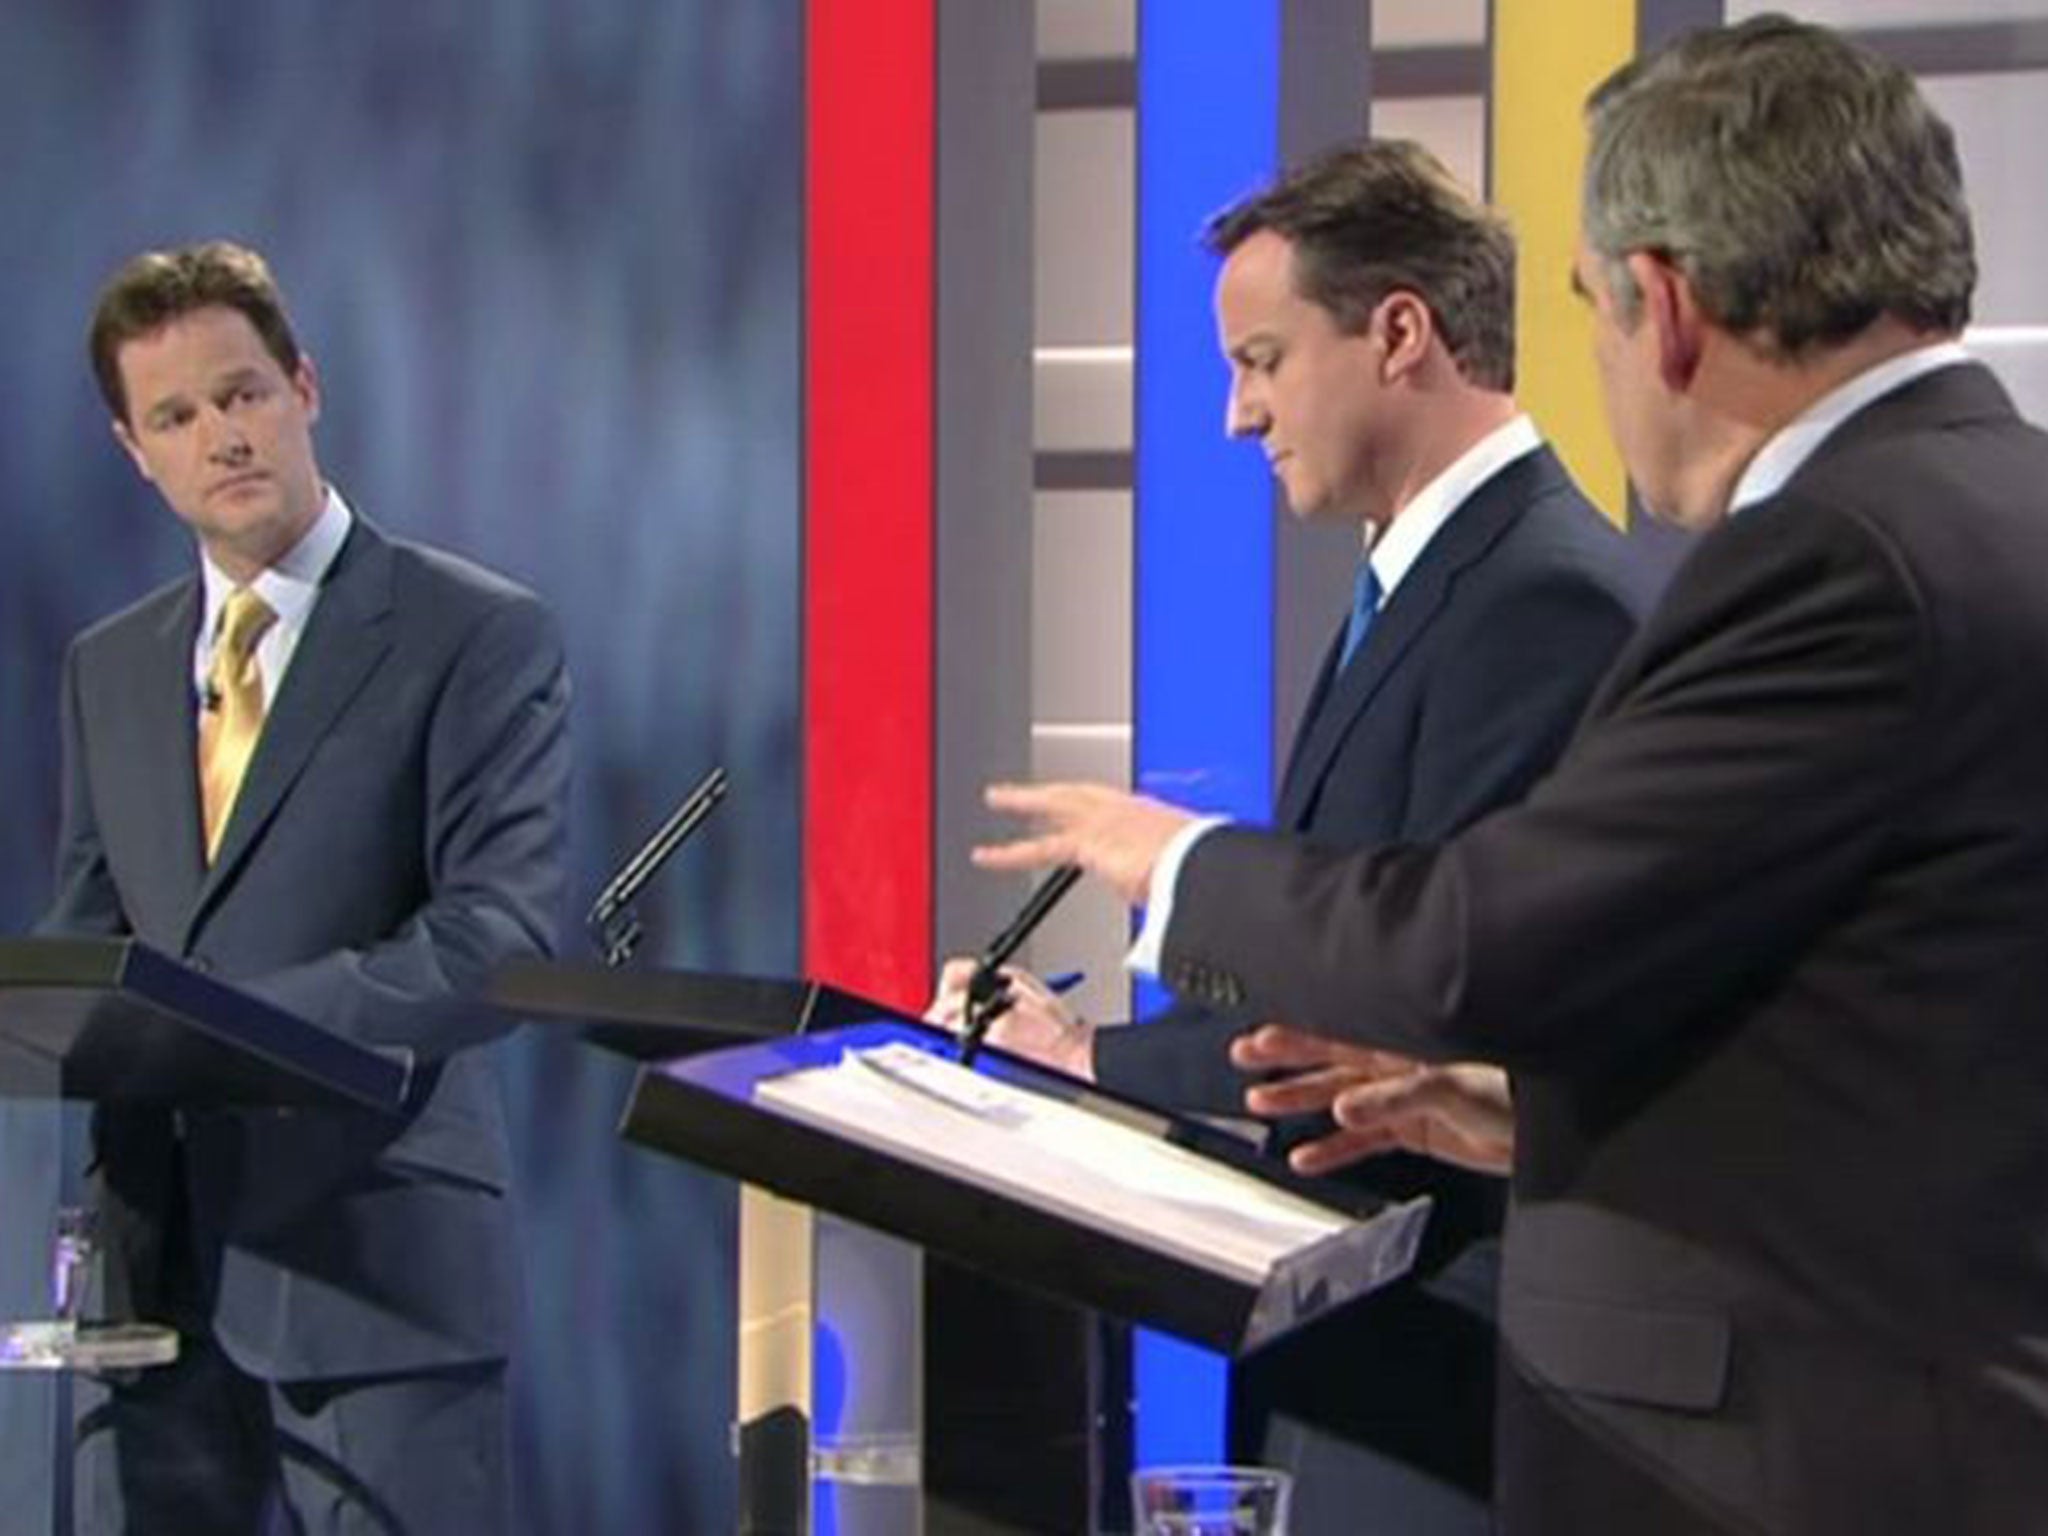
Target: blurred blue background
(545, 255)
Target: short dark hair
(1802, 183)
(158, 287)
(1383, 215)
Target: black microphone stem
(617, 939)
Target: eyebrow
(162, 410)
(234, 378)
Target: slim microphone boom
(612, 920)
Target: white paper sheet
(1056, 1156)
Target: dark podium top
(656, 1015)
(114, 1021)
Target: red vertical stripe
(868, 601)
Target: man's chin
(238, 509)
(249, 537)
(1304, 503)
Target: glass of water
(65, 1341)
(1210, 1501)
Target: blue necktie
(1365, 602)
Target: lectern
(117, 1022)
(113, 1021)
(1006, 1170)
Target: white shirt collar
(293, 582)
(1797, 441)
(290, 586)
(1396, 550)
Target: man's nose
(225, 442)
(1244, 415)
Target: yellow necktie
(233, 716)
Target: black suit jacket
(1465, 690)
(1766, 956)
(399, 834)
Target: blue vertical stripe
(1202, 678)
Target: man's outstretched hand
(1114, 836)
(1462, 1113)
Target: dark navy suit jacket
(1467, 687)
(1465, 690)
(399, 834)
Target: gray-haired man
(1764, 956)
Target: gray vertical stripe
(982, 417)
(1327, 76)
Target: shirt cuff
(1145, 954)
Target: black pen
(1004, 998)
(985, 989)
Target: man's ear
(126, 439)
(1671, 307)
(1406, 329)
(305, 382)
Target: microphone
(612, 921)
(988, 996)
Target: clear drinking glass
(1210, 1501)
(65, 1341)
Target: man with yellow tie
(331, 767)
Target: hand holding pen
(985, 987)
(981, 991)
(1015, 984)
(1031, 1017)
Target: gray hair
(1800, 182)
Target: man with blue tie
(331, 767)
(1366, 307)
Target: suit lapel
(1339, 698)
(161, 762)
(347, 637)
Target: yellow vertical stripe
(777, 1314)
(1547, 54)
